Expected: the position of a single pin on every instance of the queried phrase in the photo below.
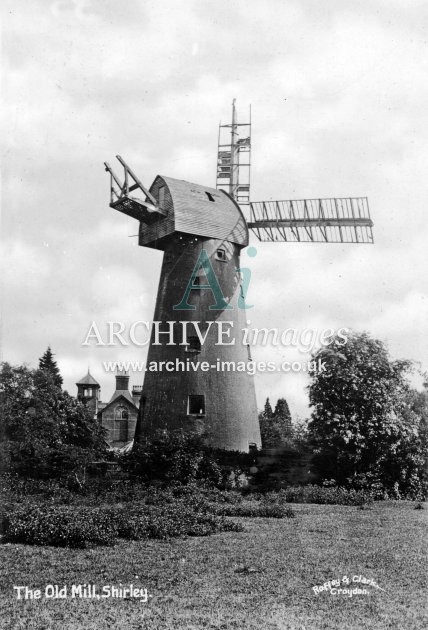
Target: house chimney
(122, 381)
(136, 391)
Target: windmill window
(209, 195)
(193, 344)
(196, 405)
(221, 254)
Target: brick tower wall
(230, 420)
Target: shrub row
(60, 526)
(81, 526)
(14, 489)
(168, 521)
(333, 495)
(254, 509)
(162, 514)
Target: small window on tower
(193, 344)
(221, 254)
(196, 405)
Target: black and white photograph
(214, 309)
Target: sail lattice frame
(331, 220)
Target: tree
(410, 461)
(48, 364)
(265, 422)
(363, 427)
(282, 417)
(268, 409)
(300, 433)
(275, 426)
(45, 431)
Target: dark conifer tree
(275, 426)
(283, 417)
(265, 421)
(268, 409)
(48, 364)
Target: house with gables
(119, 415)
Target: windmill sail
(333, 220)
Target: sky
(338, 92)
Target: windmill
(200, 305)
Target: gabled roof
(117, 395)
(121, 392)
(88, 380)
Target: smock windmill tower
(200, 306)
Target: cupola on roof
(88, 380)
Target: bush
(176, 520)
(16, 489)
(255, 509)
(59, 526)
(185, 459)
(328, 495)
(80, 526)
(170, 520)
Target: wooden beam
(308, 223)
(136, 180)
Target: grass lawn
(255, 580)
